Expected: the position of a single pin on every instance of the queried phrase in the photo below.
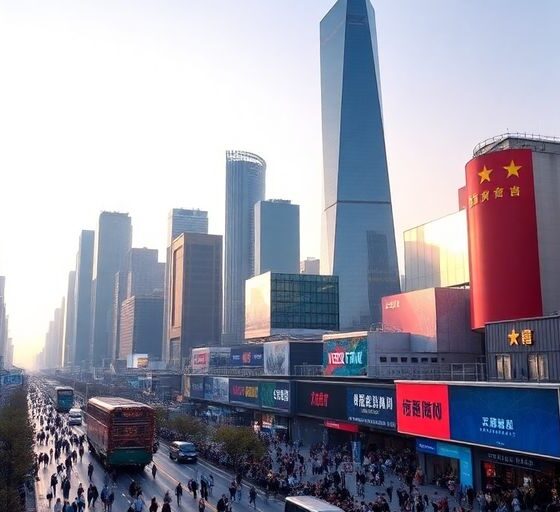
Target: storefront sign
(520, 419)
(337, 425)
(462, 453)
(371, 406)
(196, 387)
(512, 460)
(244, 391)
(275, 395)
(345, 356)
(250, 355)
(216, 389)
(423, 409)
(200, 360)
(321, 400)
(525, 337)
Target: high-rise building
(195, 294)
(358, 239)
(3, 323)
(69, 323)
(276, 237)
(54, 340)
(141, 275)
(310, 265)
(141, 324)
(245, 186)
(114, 238)
(180, 221)
(82, 298)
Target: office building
(513, 187)
(141, 324)
(290, 305)
(358, 238)
(114, 238)
(195, 294)
(245, 187)
(3, 323)
(436, 254)
(69, 323)
(310, 265)
(54, 340)
(180, 220)
(276, 237)
(82, 298)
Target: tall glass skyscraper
(358, 239)
(245, 186)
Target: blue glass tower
(358, 239)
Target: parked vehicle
(183, 451)
(75, 416)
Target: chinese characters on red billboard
(503, 244)
(423, 409)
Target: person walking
(110, 501)
(153, 505)
(54, 482)
(194, 488)
(166, 507)
(58, 506)
(179, 493)
(154, 470)
(253, 497)
(201, 505)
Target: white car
(75, 416)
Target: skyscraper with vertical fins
(358, 237)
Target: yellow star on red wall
(512, 169)
(485, 174)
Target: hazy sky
(130, 105)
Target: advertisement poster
(249, 355)
(196, 387)
(453, 451)
(321, 400)
(277, 358)
(200, 361)
(520, 419)
(372, 406)
(216, 389)
(12, 379)
(345, 356)
(423, 409)
(275, 395)
(244, 392)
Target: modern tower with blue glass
(358, 239)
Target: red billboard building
(513, 185)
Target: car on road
(183, 451)
(75, 416)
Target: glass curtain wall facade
(358, 239)
(245, 186)
(436, 254)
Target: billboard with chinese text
(371, 406)
(519, 419)
(244, 392)
(275, 395)
(216, 389)
(345, 356)
(423, 409)
(247, 355)
(322, 400)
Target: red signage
(337, 425)
(423, 410)
(319, 399)
(503, 245)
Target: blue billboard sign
(249, 355)
(512, 418)
(12, 379)
(371, 406)
(462, 453)
(216, 389)
(275, 395)
(345, 356)
(196, 387)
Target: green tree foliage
(161, 417)
(189, 428)
(239, 442)
(16, 449)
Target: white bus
(308, 504)
(75, 416)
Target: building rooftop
(538, 143)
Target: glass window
(394, 359)
(382, 359)
(503, 366)
(538, 366)
(404, 359)
(424, 360)
(413, 359)
(434, 359)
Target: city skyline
(437, 141)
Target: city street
(169, 473)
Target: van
(75, 416)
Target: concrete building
(141, 324)
(195, 294)
(436, 254)
(276, 237)
(70, 321)
(180, 220)
(290, 305)
(114, 238)
(310, 266)
(513, 184)
(54, 340)
(358, 239)
(245, 187)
